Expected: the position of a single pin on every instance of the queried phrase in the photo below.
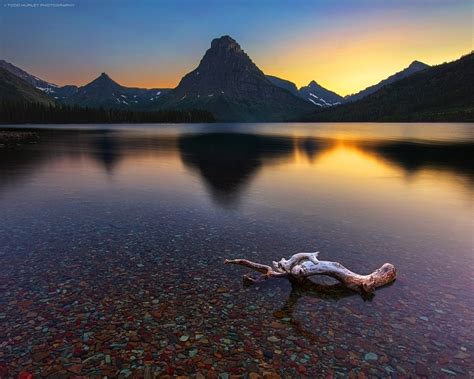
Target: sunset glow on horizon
(344, 47)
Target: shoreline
(10, 137)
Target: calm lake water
(112, 242)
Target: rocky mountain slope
(413, 68)
(438, 93)
(106, 93)
(16, 90)
(228, 84)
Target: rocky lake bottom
(113, 241)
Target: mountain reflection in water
(125, 229)
(228, 162)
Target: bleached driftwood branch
(303, 265)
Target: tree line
(440, 93)
(34, 113)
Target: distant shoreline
(4, 126)
(17, 137)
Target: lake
(113, 238)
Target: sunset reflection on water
(123, 216)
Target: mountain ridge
(54, 90)
(104, 92)
(411, 69)
(313, 92)
(283, 83)
(15, 89)
(231, 86)
(438, 93)
(319, 95)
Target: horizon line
(266, 74)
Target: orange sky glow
(344, 46)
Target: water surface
(112, 242)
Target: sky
(344, 45)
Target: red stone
(78, 352)
(443, 360)
(76, 369)
(339, 353)
(3, 370)
(148, 358)
(422, 370)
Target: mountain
(313, 92)
(283, 83)
(413, 68)
(51, 89)
(16, 90)
(438, 93)
(319, 95)
(101, 92)
(106, 93)
(228, 84)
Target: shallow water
(112, 242)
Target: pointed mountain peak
(418, 65)
(313, 84)
(225, 55)
(319, 95)
(225, 42)
(104, 77)
(233, 88)
(103, 82)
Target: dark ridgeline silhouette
(14, 89)
(283, 83)
(413, 68)
(101, 92)
(233, 88)
(55, 91)
(313, 92)
(412, 157)
(22, 103)
(106, 93)
(227, 85)
(320, 96)
(438, 93)
(227, 162)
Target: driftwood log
(300, 267)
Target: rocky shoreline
(12, 138)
